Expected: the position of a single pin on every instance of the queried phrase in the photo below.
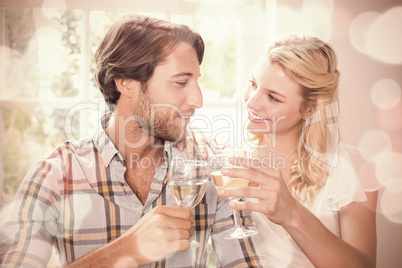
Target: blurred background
(47, 93)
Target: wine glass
(217, 162)
(188, 180)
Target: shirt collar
(104, 144)
(108, 151)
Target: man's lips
(186, 118)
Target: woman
(314, 205)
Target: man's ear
(127, 87)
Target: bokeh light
(125, 262)
(49, 49)
(391, 162)
(82, 205)
(252, 24)
(386, 93)
(391, 200)
(390, 120)
(359, 28)
(314, 17)
(375, 141)
(384, 40)
(378, 35)
(53, 8)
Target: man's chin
(179, 139)
(173, 137)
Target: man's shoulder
(78, 147)
(65, 158)
(66, 155)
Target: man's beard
(157, 118)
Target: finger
(202, 143)
(246, 192)
(250, 206)
(178, 245)
(181, 146)
(202, 152)
(167, 247)
(177, 212)
(261, 165)
(252, 175)
(190, 147)
(199, 137)
(177, 224)
(216, 149)
(177, 234)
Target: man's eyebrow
(182, 74)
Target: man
(103, 202)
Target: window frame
(250, 45)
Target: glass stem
(236, 216)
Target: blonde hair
(311, 63)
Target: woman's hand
(196, 137)
(356, 248)
(268, 189)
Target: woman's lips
(255, 118)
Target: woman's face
(272, 100)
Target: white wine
(221, 181)
(187, 193)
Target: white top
(354, 174)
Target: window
(47, 93)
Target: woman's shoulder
(354, 172)
(354, 161)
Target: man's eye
(182, 84)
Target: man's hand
(159, 233)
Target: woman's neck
(277, 151)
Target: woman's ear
(127, 87)
(308, 112)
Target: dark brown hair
(134, 46)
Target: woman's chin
(257, 130)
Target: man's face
(172, 94)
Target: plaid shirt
(77, 200)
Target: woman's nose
(253, 99)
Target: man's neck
(142, 153)
(131, 140)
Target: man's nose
(195, 99)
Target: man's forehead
(181, 62)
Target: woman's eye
(253, 84)
(273, 98)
